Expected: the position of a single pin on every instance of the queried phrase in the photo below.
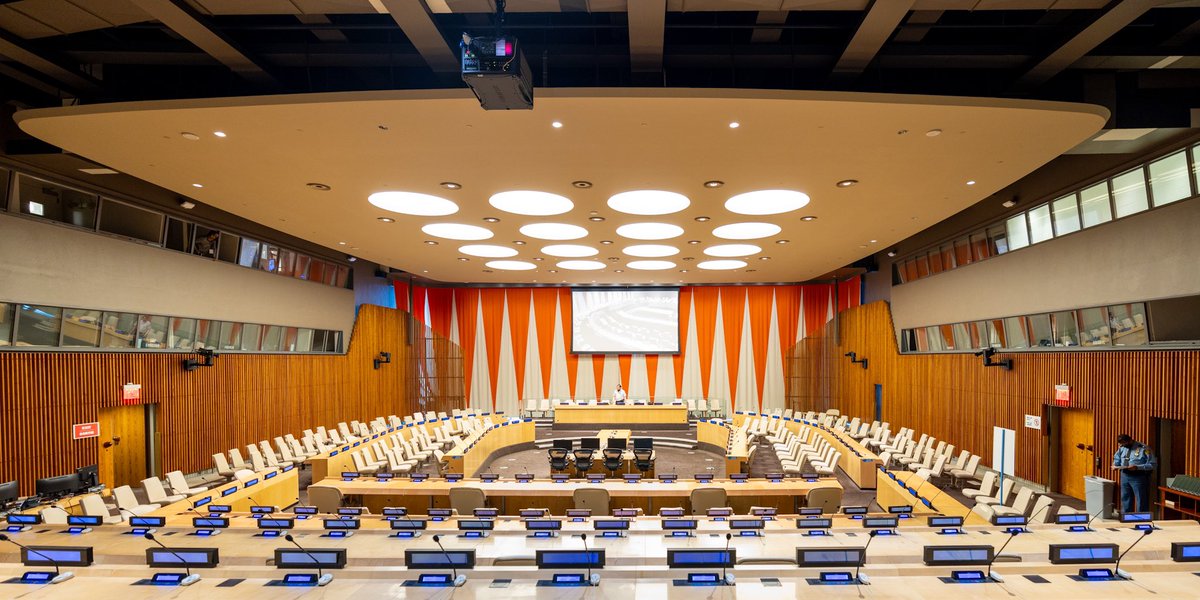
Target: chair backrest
(987, 486)
(1021, 504)
(124, 497)
(940, 465)
(642, 459)
(243, 474)
(593, 498)
(1041, 512)
(828, 498)
(464, 500)
(236, 456)
(53, 515)
(221, 463)
(972, 464)
(155, 493)
(544, 406)
(93, 506)
(962, 460)
(531, 405)
(326, 499)
(704, 498)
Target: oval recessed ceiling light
(971, 182)
(511, 265)
(766, 202)
(693, 242)
(714, 183)
(487, 251)
(808, 218)
(556, 124)
(450, 185)
(595, 218)
(781, 241)
(519, 242)
(531, 203)
(413, 203)
(650, 231)
(189, 136)
(746, 231)
(320, 187)
(703, 219)
(581, 265)
(648, 202)
(727, 250)
(650, 265)
(553, 231)
(457, 231)
(463, 259)
(933, 133)
(846, 183)
(734, 125)
(570, 251)
(721, 265)
(651, 250)
(581, 184)
(491, 220)
(197, 185)
(385, 219)
(606, 242)
(220, 134)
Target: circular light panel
(413, 203)
(570, 251)
(649, 231)
(457, 231)
(511, 265)
(766, 202)
(746, 231)
(648, 202)
(487, 251)
(553, 231)
(651, 250)
(531, 203)
(726, 250)
(650, 265)
(581, 265)
(722, 265)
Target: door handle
(1080, 446)
(1091, 449)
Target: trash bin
(1099, 495)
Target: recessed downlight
(570, 250)
(487, 250)
(606, 242)
(595, 218)
(648, 202)
(385, 219)
(651, 250)
(519, 242)
(450, 185)
(702, 219)
(766, 202)
(782, 241)
(553, 231)
(580, 265)
(189, 136)
(971, 182)
(531, 203)
(808, 218)
(511, 265)
(413, 203)
(427, 243)
(734, 125)
(491, 220)
(220, 134)
(650, 231)
(746, 231)
(556, 124)
(650, 265)
(713, 183)
(845, 183)
(728, 250)
(693, 242)
(721, 265)
(197, 185)
(457, 231)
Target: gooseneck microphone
(323, 578)
(727, 577)
(59, 576)
(860, 578)
(459, 580)
(1117, 567)
(190, 578)
(1088, 526)
(996, 576)
(592, 579)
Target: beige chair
(592, 498)
(179, 484)
(827, 498)
(987, 487)
(93, 506)
(704, 498)
(464, 500)
(157, 494)
(957, 475)
(224, 469)
(1020, 506)
(326, 499)
(238, 462)
(53, 515)
(126, 501)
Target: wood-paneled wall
(953, 397)
(244, 398)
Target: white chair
(987, 487)
(1020, 506)
(1003, 495)
(531, 406)
(691, 408)
(936, 471)
(179, 484)
(156, 494)
(224, 469)
(361, 465)
(93, 506)
(968, 472)
(546, 408)
(127, 502)
(236, 460)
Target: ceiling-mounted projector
(495, 69)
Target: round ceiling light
(457, 231)
(650, 265)
(553, 231)
(766, 202)
(649, 231)
(746, 231)
(721, 265)
(727, 250)
(413, 203)
(487, 251)
(648, 202)
(511, 265)
(570, 251)
(581, 265)
(531, 203)
(651, 250)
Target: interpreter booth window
(268, 258)
(1093, 327)
(80, 328)
(6, 323)
(119, 330)
(962, 339)
(289, 339)
(937, 343)
(179, 234)
(979, 246)
(206, 242)
(998, 239)
(962, 252)
(1066, 215)
(181, 333)
(287, 262)
(316, 271)
(1041, 332)
(1169, 180)
(54, 202)
(248, 256)
(208, 334)
(304, 340)
(996, 335)
(318, 340)
(1066, 331)
(1094, 205)
(978, 332)
(1018, 232)
(152, 332)
(1129, 193)
(231, 335)
(228, 251)
(907, 343)
(251, 337)
(38, 325)
(300, 270)
(1017, 331)
(130, 221)
(1128, 323)
(272, 339)
(1040, 228)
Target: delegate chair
(326, 499)
(583, 461)
(464, 500)
(221, 464)
(968, 472)
(828, 499)
(127, 502)
(93, 506)
(179, 484)
(643, 459)
(558, 459)
(705, 498)
(235, 455)
(156, 494)
(613, 460)
(987, 487)
(591, 498)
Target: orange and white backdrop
(516, 343)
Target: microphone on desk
(1088, 525)
(190, 578)
(1014, 532)
(59, 576)
(459, 580)
(592, 579)
(727, 577)
(860, 578)
(1117, 567)
(130, 513)
(323, 578)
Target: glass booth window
(1093, 327)
(998, 239)
(208, 334)
(1018, 234)
(979, 334)
(1094, 205)
(1066, 215)
(6, 323)
(152, 332)
(231, 335)
(1041, 333)
(272, 340)
(1016, 331)
(1128, 323)
(1066, 332)
(1040, 228)
(1169, 179)
(248, 256)
(130, 221)
(179, 234)
(119, 330)
(181, 333)
(962, 339)
(56, 203)
(38, 325)
(304, 340)
(228, 251)
(1129, 193)
(206, 243)
(81, 328)
(996, 336)
(251, 337)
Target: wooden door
(1076, 453)
(122, 458)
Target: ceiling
(617, 139)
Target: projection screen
(625, 321)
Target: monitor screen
(270, 523)
(589, 443)
(1073, 554)
(854, 510)
(570, 559)
(309, 558)
(394, 511)
(610, 524)
(828, 557)
(618, 443)
(147, 521)
(643, 443)
(88, 476)
(670, 512)
(626, 321)
(531, 513)
(342, 523)
(1185, 551)
(958, 555)
(8, 492)
(57, 486)
(1072, 518)
(944, 521)
(206, 558)
(543, 524)
(824, 523)
(1136, 517)
(880, 522)
(65, 556)
(476, 524)
(219, 508)
(210, 522)
(436, 559)
(83, 520)
(747, 524)
(706, 558)
(564, 444)
(669, 524)
(409, 524)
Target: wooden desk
(468, 455)
(892, 493)
(608, 434)
(661, 416)
(734, 448)
(281, 490)
(329, 464)
(860, 468)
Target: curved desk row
(613, 416)
(859, 463)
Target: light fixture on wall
(854, 359)
(384, 358)
(988, 353)
(191, 364)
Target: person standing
(619, 395)
(1134, 463)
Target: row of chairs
(584, 460)
(991, 500)
(544, 408)
(795, 450)
(126, 502)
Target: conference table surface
(616, 415)
(546, 488)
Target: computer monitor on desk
(56, 487)
(564, 444)
(643, 443)
(589, 443)
(618, 443)
(9, 493)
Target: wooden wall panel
(244, 398)
(953, 397)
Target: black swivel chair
(558, 460)
(583, 461)
(643, 460)
(613, 460)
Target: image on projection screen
(625, 321)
